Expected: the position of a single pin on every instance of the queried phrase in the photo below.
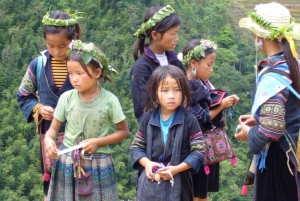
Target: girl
(59, 30)
(161, 26)
(275, 113)
(199, 57)
(169, 141)
(89, 110)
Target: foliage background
(111, 24)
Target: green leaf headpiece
(198, 51)
(274, 31)
(273, 21)
(60, 22)
(157, 17)
(90, 51)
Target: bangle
(238, 128)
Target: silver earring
(258, 45)
(194, 72)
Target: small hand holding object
(242, 132)
(50, 147)
(230, 101)
(167, 173)
(90, 145)
(46, 112)
(150, 169)
(247, 120)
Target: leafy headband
(198, 51)
(157, 17)
(276, 32)
(91, 52)
(61, 22)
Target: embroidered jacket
(191, 151)
(274, 114)
(140, 74)
(48, 94)
(193, 145)
(200, 104)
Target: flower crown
(91, 52)
(157, 17)
(60, 22)
(276, 32)
(198, 51)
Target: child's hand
(230, 101)
(243, 134)
(165, 174)
(50, 147)
(149, 167)
(46, 112)
(247, 119)
(91, 145)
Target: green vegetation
(111, 24)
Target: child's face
(204, 67)
(169, 95)
(57, 45)
(168, 41)
(80, 79)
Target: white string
(256, 64)
(171, 179)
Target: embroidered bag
(85, 184)
(48, 163)
(218, 147)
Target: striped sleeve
(138, 141)
(138, 150)
(197, 144)
(28, 84)
(272, 117)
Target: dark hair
(192, 44)
(293, 66)
(72, 32)
(76, 55)
(159, 75)
(162, 26)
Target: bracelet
(238, 128)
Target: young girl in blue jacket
(169, 144)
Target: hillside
(292, 5)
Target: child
(169, 141)
(161, 26)
(60, 28)
(275, 112)
(199, 57)
(87, 173)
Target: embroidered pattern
(139, 141)
(28, 84)
(272, 109)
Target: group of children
(168, 150)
